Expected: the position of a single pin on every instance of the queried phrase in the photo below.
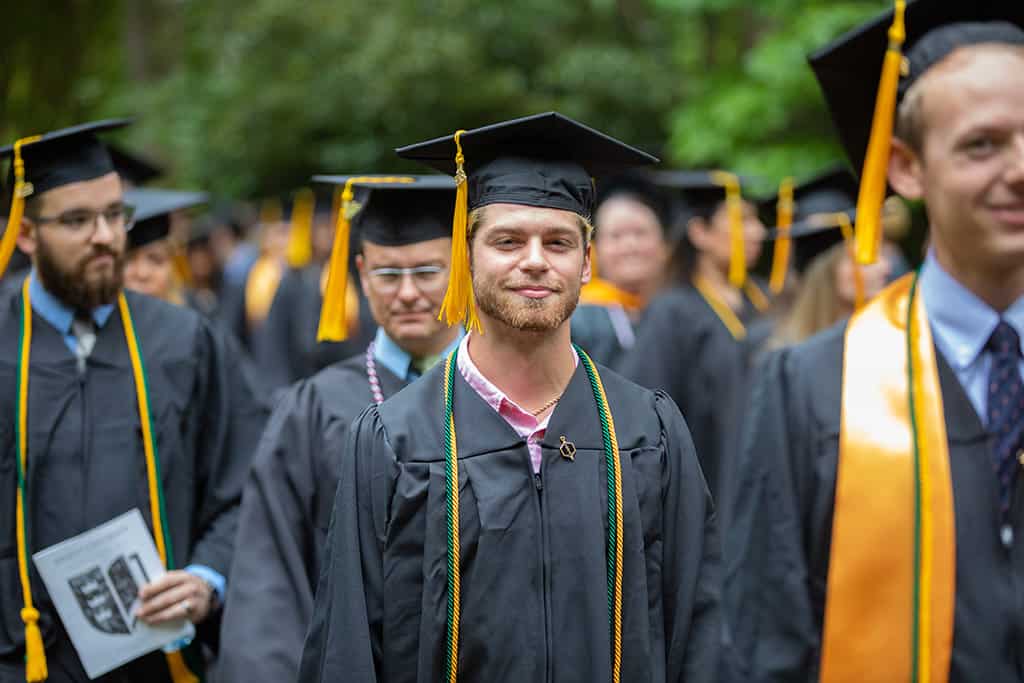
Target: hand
(175, 595)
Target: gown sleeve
(270, 589)
(767, 598)
(344, 640)
(691, 558)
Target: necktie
(421, 365)
(85, 338)
(1005, 407)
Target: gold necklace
(547, 405)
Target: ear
(361, 267)
(27, 239)
(906, 170)
(696, 231)
(586, 274)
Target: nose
(407, 291)
(533, 259)
(104, 232)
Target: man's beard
(71, 286)
(523, 313)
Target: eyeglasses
(427, 279)
(82, 222)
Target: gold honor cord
(613, 550)
(892, 568)
(721, 309)
(35, 656)
(756, 296)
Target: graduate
(519, 513)
(877, 531)
(150, 258)
(109, 401)
(403, 238)
(631, 245)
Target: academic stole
(891, 582)
(35, 655)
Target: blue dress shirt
(961, 324)
(389, 354)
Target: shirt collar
(389, 354)
(961, 322)
(56, 312)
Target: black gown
(286, 509)
(594, 330)
(684, 349)
(86, 463)
(534, 603)
(777, 550)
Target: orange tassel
(876, 161)
(300, 236)
(35, 654)
(734, 205)
(783, 220)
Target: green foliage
(251, 97)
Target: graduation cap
(827, 193)
(153, 209)
(702, 192)
(43, 162)
(133, 167)
(863, 105)
(545, 160)
(386, 210)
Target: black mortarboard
(546, 160)
(153, 209)
(389, 210)
(829, 191)
(135, 168)
(394, 214)
(699, 194)
(43, 162)
(864, 75)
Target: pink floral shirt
(522, 421)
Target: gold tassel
(876, 161)
(21, 190)
(459, 305)
(332, 325)
(334, 319)
(300, 236)
(783, 220)
(180, 672)
(35, 655)
(734, 205)
(859, 295)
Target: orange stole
(603, 293)
(891, 583)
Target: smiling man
(519, 514)
(878, 528)
(404, 241)
(78, 357)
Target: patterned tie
(84, 330)
(1005, 407)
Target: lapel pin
(567, 449)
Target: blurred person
(631, 246)
(536, 476)
(402, 234)
(875, 536)
(85, 355)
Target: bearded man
(519, 514)
(109, 401)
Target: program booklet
(94, 580)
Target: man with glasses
(404, 236)
(76, 447)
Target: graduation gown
(534, 602)
(86, 463)
(286, 509)
(683, 349)
(595, 331)
(778, 547)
